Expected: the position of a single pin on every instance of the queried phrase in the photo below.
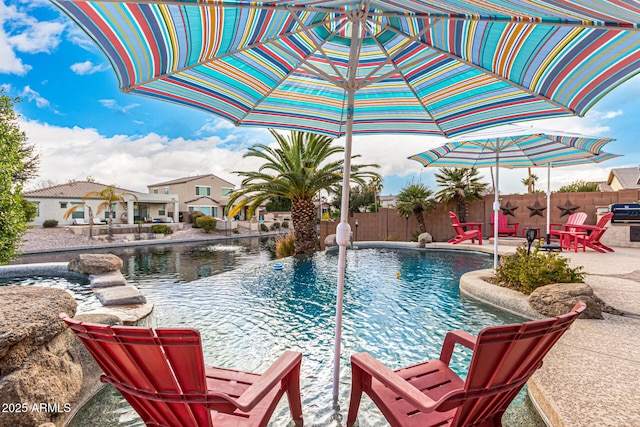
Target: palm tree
(415, 199)
(375, 185)
(460, 185)
(297, 168)
(109, 197)
(530, 182)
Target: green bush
(285, 224)
(526, 273)
(194, 218)
(50, 223)
(161, 229)
(415, 236)
(285, 246)
(235, 230)
(206, 222)
(263, 227)
(275, 226)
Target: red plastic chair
(161, 373)
(462, 234)
(577, 218)
(592, 240)
(431, 394)
(503, 226)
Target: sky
(83, 126)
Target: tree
(530, 182)
(360, 198)
(415, 199)
(109, 197)
(299, 166)
(375, 185)
(278, 204)
(18, 163)
(461, 186)
(578, 186)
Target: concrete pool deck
(591, 377)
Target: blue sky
(82, 125)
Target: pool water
(398, 306)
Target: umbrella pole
(496, 209)
(548, 202)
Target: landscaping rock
(36, 369)
(554, 300)
(95, 263)
(113, 278)
(424, 238)
(120, 295)
(330, 241)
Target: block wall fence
(387, 224)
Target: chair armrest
(471, 224)
(375, 369)
(277, 372)
(588, 227)
(451, 339)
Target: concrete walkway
(592, 375)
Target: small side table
(573, 240)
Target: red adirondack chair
(431, 394)
(461, 235)
(503, 226)
(161, 373)
(577, 218)
(592, 240)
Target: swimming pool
(398, 306)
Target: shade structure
(368, 66)
(514, 146)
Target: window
(37, 205)
(162, 210)
(166, 190)
(113, 213)
(63, 205)
(155, 191)
(215, 212)
(79, 212)
(226, 192)
(201, 190)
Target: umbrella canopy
(514, 147)
(368, 66)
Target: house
(53, 202)
(387, 201)
(622, 178)
(208, 194)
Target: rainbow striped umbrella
(513, 146)
(439, 67)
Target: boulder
(556, 299)
(424, 238)
(113, 278)
(330, 241)
(95, 263)
(36, 369)
(120, 295)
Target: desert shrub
(285, 224)
(161, 229)
(285, 245)
(206, 222)
(275, 226)
(263, 227)
(194, 218)
(415, 236)
(50, 223)
(524, 273)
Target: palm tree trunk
(303, 216)
(420, 219)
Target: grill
(626, 213)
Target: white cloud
(36, 37)
(88, 67)
(34, 96)
(131, 162)
(112, 104)
(214, 125)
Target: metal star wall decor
(536, 209)
(508, 209)
(568, 208)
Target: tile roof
(628, 177)
(187, 179)
(72, 190)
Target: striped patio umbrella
(439, 67)
(514, 146)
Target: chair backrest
(504, 358)
(160, 372)
(455, 222)
(602, 227)
(577, 218)
(502, 220)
